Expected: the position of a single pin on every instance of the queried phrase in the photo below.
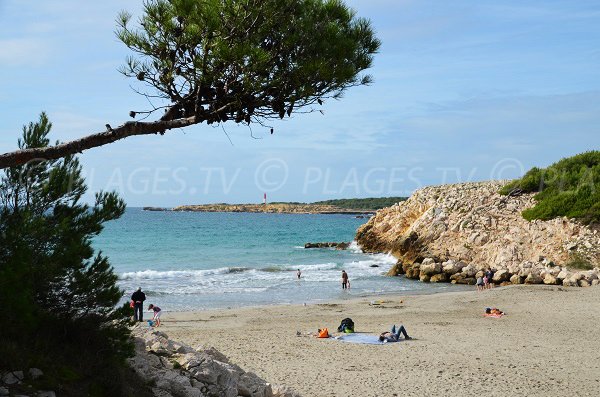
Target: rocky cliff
(452, 232)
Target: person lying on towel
(493, 311)
(394, 336)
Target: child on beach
(479, 283)
(157, 313)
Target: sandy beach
(547, 345)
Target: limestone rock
(284, 391)
(179, 370)
(583, 283)
(533, 278)
(473, 223)
(501, 275)
(439, 278)
(516, 279)
(569, 283)
(451, 267)
(428, 267)
(469, 271)
(549, 279)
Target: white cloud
(24, 51)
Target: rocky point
(452, 233)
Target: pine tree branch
(131, 128)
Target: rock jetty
(178, 370)
(338, 246)
(452, 233)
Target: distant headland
(340, 206)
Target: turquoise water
(199, 260)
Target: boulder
(430, 268)
(250, 384)
(590, 275)
(451, 267)
(564, 274)
(424, 278)
(516, 279)
(283, 391)
(469, 271)
(12, 378)
(461, 279)
(439, 278)
(342, 246)
(549, 279)
(501, 275)
(413, 272)
(567, 282)
(35, 373)
(533, 278)
(180, 370)
(584, 283)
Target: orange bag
(131, 304)
(323, 333)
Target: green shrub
(373, 203)
(570, 187)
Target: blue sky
(464, 91)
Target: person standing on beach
(490, 274)
(299, 273)
(138, 299)
(345, 281)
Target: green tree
(58, 298)
(242, 61)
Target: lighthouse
(265, 199)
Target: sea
(188, 261)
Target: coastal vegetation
(371, 203)
(242, 61)
(569, 187)
(58, 297)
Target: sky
(466, 90)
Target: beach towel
(367, 339)
(493, 315)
